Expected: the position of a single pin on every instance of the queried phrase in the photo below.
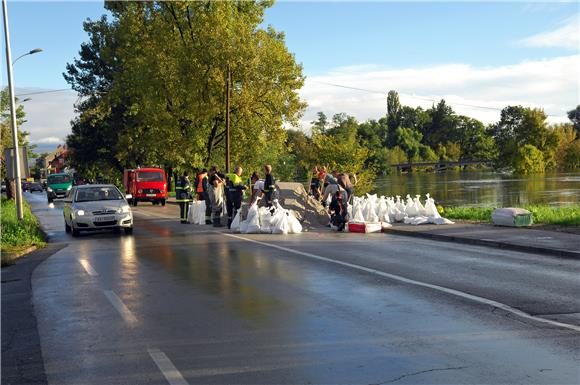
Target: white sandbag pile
(263, 220)
(196, 214)
(387, 210)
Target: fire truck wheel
(163, 202)
(135, 202)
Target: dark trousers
(233, 204)
(207, 207)
(183, 210)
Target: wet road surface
(182, 304)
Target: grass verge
(542, 214)
(18, 236)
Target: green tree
(574, 116)
(393, 116)
(572, 156)
(520, 126)
(163, 67)
(529, 160)
(409, 141)
(6, 127)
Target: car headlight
(140, 191)
(123, 209)
(68, 188)
(48, 189)
(80, 213)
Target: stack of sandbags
(263, 220)
(386, 210)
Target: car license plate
(152, 195)
(104, 219)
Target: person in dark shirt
(269, 186)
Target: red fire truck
(146, 185)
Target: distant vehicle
(146, 185)
(35, 187)
(57, 186)
(96, 207)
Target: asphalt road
(183, 304)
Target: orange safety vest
(200, 179)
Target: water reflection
(486, 188)
(221, 269)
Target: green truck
(58, 185)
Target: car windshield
(58, 179)
(101, 193)
(150, 176)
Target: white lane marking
(88, 268)
(120, 306)
(172, 375)
(457, 293)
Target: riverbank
(18, 237)
(542, 214)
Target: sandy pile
(309, 211)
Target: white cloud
(552, 84)
(48, 115)
(49, 140)
(566, 36)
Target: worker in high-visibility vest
(183, 195)
(234, 193)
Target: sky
(479, 56)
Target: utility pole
(18, 186)
(228, 81)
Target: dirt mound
(309, 211)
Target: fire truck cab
(146, 185)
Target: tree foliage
(154, 79)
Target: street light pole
(18, 186)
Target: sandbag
(253, 221)
(200, 217)
(235, 226)
(265, 219)
(430, 208)
(294, 226)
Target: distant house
(56, 161)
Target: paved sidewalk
(519, 239)
(22, 361)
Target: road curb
(489, 243)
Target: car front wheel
(128, 230)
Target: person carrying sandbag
(216, 195)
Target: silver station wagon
(97, 207)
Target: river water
(485, 188)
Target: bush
(19, 235)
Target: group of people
(335, 190)
(217, 188)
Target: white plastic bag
(253, 221)
(358, 215)
(294, 226)
(200, 217)
(265, 220)
(430, 208)
(191, 212)
(235, 226)
(279, 222)
(244, 227)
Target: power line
(44, 92)
(419, 97)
